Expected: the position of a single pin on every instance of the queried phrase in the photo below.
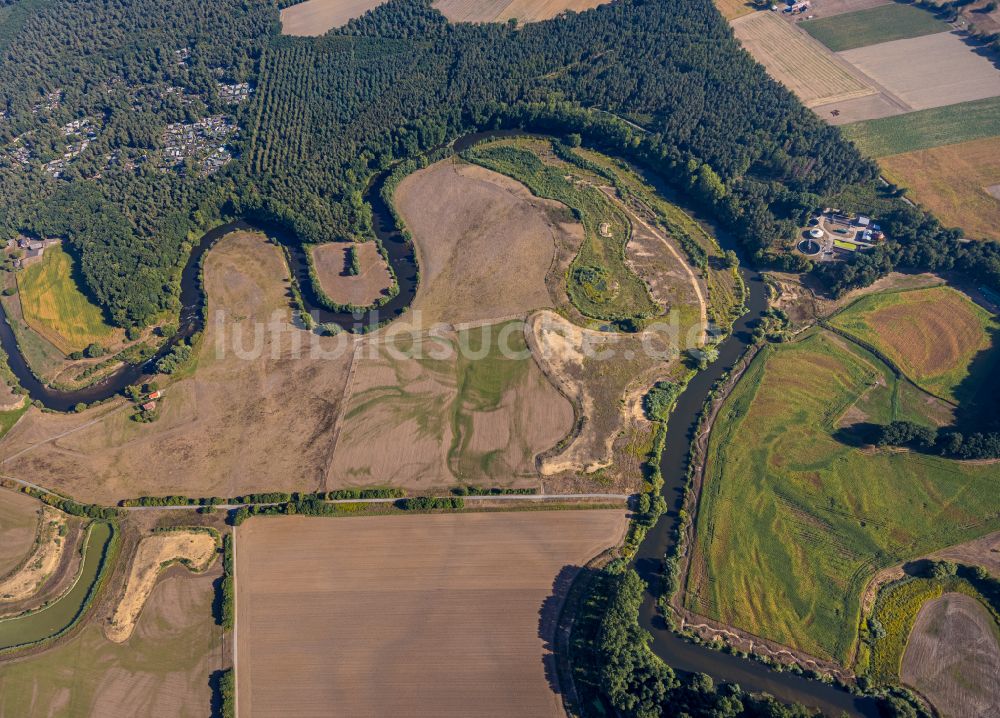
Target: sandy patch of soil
(434, 615)
(953, 657)
(42, 563)
(257, 415)
(485, 244)
(194, 549)
(503, 10)
(605, 375)
(331, 260)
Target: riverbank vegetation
(791, 482)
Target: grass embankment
(926, 128)
(936, 336)
(725, 288)
(793, 521)
(599, 284)
(54, 306)
(872, 26)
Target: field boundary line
(61, 435)
(345, 399)
(236, 652)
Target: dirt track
(433, 615)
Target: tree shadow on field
(215, 684)
(864, 433)
(549, 624)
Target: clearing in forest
(799, 62)
(429, 411)
(54, 306)
(523, 11)
(953, 656)
(330, 262)
(195, 549)
(428, 615)
(937, 336)
(872, 26)
(795, 517)
(959, 183)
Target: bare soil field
(19, 517)
(432, 615)
(606, 375)
(829, 8)
(258, 414)
(798, 61)
(316, 17)
(929, 71)
(485, 244)
(360, 289)
(954, 182)
(503, 10)
(450, 408)
(162, 671)
(195, 549)
(43, 561)
(870, 107)
(953, 657)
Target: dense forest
(326, 113)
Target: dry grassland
(732, 9)
(829, 8)
(446, 409)
(929, 71)
(316, 17)
(196, 549)
(162, 671)
(953, 182)
(605, 375)
(432, 615)
(361, 289)
(245, 421)
(953, 657)
(43, 561)
(798, 61)
(502, 10)
(19, 517)
(485, 244)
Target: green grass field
(793, 522)
(54, 306)
(926, 128)
(872, 26)
(937, 336)
(599, 284)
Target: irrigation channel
(675, 651)
(64, 612)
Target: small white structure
(816, 233)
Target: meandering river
(675, 651)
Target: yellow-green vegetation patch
(937, 336)
(795, 517)
(599, 282)
(54, 306)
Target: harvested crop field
(796, 515)
(195, 549)
(928, 128)
(953, 657)
(257, 415)
(872, 26)
(163, 670)
(732, 9)
(485, 244)
(54, 306)
(316, 17)
(954, 182)
(19, 516)
(432, 615)
(503, 10)
(41, 564)
(431, 411)
(799, 62)
(331, 260)
(929, 71)
(937, 336)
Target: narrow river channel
(675, 651)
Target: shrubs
(227, 693)
(173, 360)
(494, 491)
(353, 261)
(227, 613)
(660, 400)
(427, 503)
